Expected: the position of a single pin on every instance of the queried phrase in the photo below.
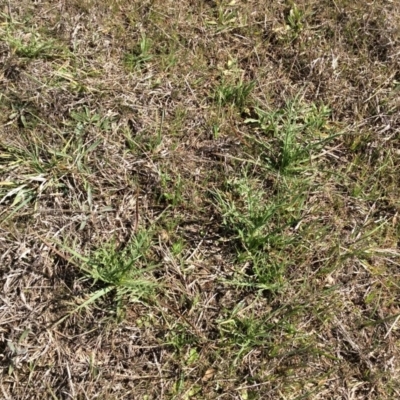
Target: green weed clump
(125, 272)
(262, 218)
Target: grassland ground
(200, 199)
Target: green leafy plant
(260, 218)
(27, 42)
(234, 94)
(139, 55)
(122, 271)
(244, 333)
(172, 188)
(295, 132)
(259, 223)
(295, 20)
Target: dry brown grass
(123, 118)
